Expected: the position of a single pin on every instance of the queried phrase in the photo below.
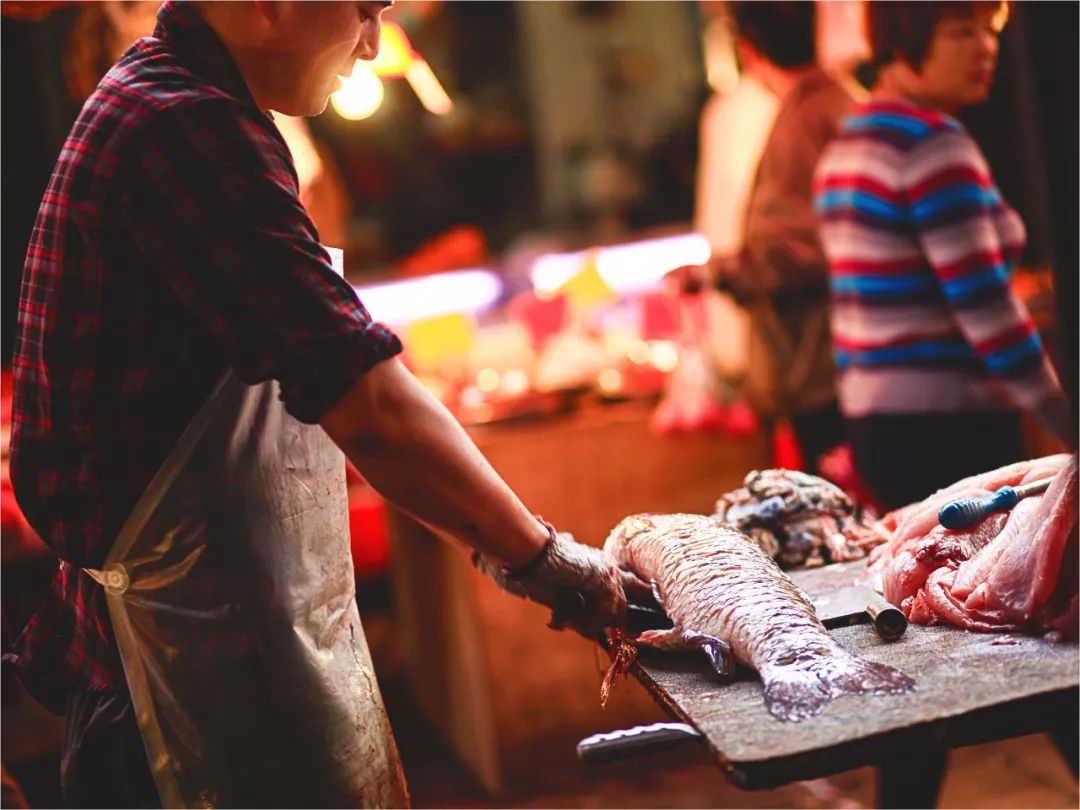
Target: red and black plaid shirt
(170, 243)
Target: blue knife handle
(960, 514)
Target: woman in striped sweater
(935, 354)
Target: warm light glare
(610, 380)
(665, 355)
(427, 88)
(1001, 17)
(360, 94)
(514, 382)
(487, 380)
(298, 138)
(639, 352)
(472, 397)
(396, 53)
(631, 268)
(400, 302)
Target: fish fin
(793, 693)
(801, 689)
(718, 651)
(671, 640)
(675, 639)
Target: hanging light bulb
(360, 94)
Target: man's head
(778, 31)
(942, 52)
(290, 53)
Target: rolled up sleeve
(212, 209)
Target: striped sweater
(921, 247)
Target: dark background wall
(35, 115)
(1028, 130)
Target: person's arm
(211, 208)
(411, 449)
(416, 455)
(952, 201)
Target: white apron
(231, 593)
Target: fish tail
(802, 689)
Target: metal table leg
(913, 778)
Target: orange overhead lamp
(427, 88)
(396, 53)
(362, 93)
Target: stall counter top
(970, 688)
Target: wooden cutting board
(970, 688)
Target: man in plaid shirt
(171, 244)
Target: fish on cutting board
(729, 599)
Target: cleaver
(854, 604)
(860, 603)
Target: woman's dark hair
(903, 30)
(782, 30)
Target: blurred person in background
(733, 129)
(935, 354)
(780, 274)
(186, 359)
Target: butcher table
(970, 688)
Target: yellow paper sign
(436, 340)
(587, 287)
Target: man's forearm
(418, 457)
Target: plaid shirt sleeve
(212, 206)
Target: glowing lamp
(402, 302)
(396, 53)
(630, 268)
(360, 94)
(427, 88)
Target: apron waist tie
(114, 579)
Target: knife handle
(964, 512)
(630, 742)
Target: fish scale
(717, 584)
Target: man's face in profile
(311, 44)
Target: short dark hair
(782, 30)
(903, 30)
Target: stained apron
(231, 593)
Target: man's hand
(581, 584)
